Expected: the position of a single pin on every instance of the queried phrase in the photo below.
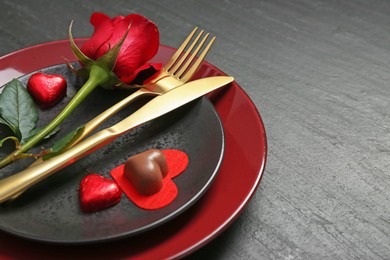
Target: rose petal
(143, 74)
(102, 33)
(140, 45)
(137, 49)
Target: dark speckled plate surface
(50, 210)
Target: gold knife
(16, 184)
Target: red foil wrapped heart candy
(97, 193)
(46, 89)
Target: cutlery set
(172, 89)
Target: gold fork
(177, 71)
(12, 186)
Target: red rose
(117, 53)
(140, 45)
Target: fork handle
(99, 119)
(16, 184)
(95, 122)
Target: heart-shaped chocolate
(97, 193)
(146, 171)
(46, 89)
(177, 162)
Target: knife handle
(14, 185)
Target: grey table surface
(319, 74)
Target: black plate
(50, 210)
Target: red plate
(238, 178)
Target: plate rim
(220, 226)
(50, 238)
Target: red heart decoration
(47, 90)
(97, 193)
(177, 162)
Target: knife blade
(16, 184)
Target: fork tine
(188, 62)
(191, 71)
(176, 55)
(178, 64)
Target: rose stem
(97, 76)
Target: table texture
(319, 74)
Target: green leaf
(2, 121)
(17, 109)
(108, 60)
(76, 51)
(14, 129)
(55, 131)
(36, 130)
(64, 143)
